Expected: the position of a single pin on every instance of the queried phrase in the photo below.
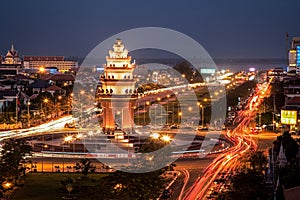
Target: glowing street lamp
(79, 136)
(6, 185)
(155, 136)
(42, 70)
(166, 138)
(68, 138)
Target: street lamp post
(28, 113)
(202, 113)
(168, 96)
(44, 101)
(81, 93)
(57, 107)
(67, 140)
(179, 117)
(146, 108)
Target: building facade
(42, 62)
(294, 55)
(11, 63)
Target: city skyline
(225, 29)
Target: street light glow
(79, 136)
(154, 135)
(166, 138)
(68, 138)
(7, 185)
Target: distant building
(294, 55)
(42, 62)
(11, 64)
(61, 79)
(277, 73)
(39, 85)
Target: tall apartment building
(294, 55)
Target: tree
(85, 166)
(190, 73)
(258, 161)
(246, 185)
(13, 156)
(290, 146)
(129, 186)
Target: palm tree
(85, 166)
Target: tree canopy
(13, 156)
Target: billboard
(207, 71)
(292, 57)
(298, 55)
(288, 117)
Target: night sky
(226, 29)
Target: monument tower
(117, 93)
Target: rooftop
(61, 77)
(44, 58)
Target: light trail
(185, 181)
(229, 160)
(46, 127)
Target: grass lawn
(43, 186)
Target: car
(174, 127)
(256, 129)
(187, 128)
(200, 128)
(293, 132)
(70, 125)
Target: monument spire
(117, 93)
(281, 158)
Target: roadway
(225, 164)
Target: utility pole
(274, 113)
